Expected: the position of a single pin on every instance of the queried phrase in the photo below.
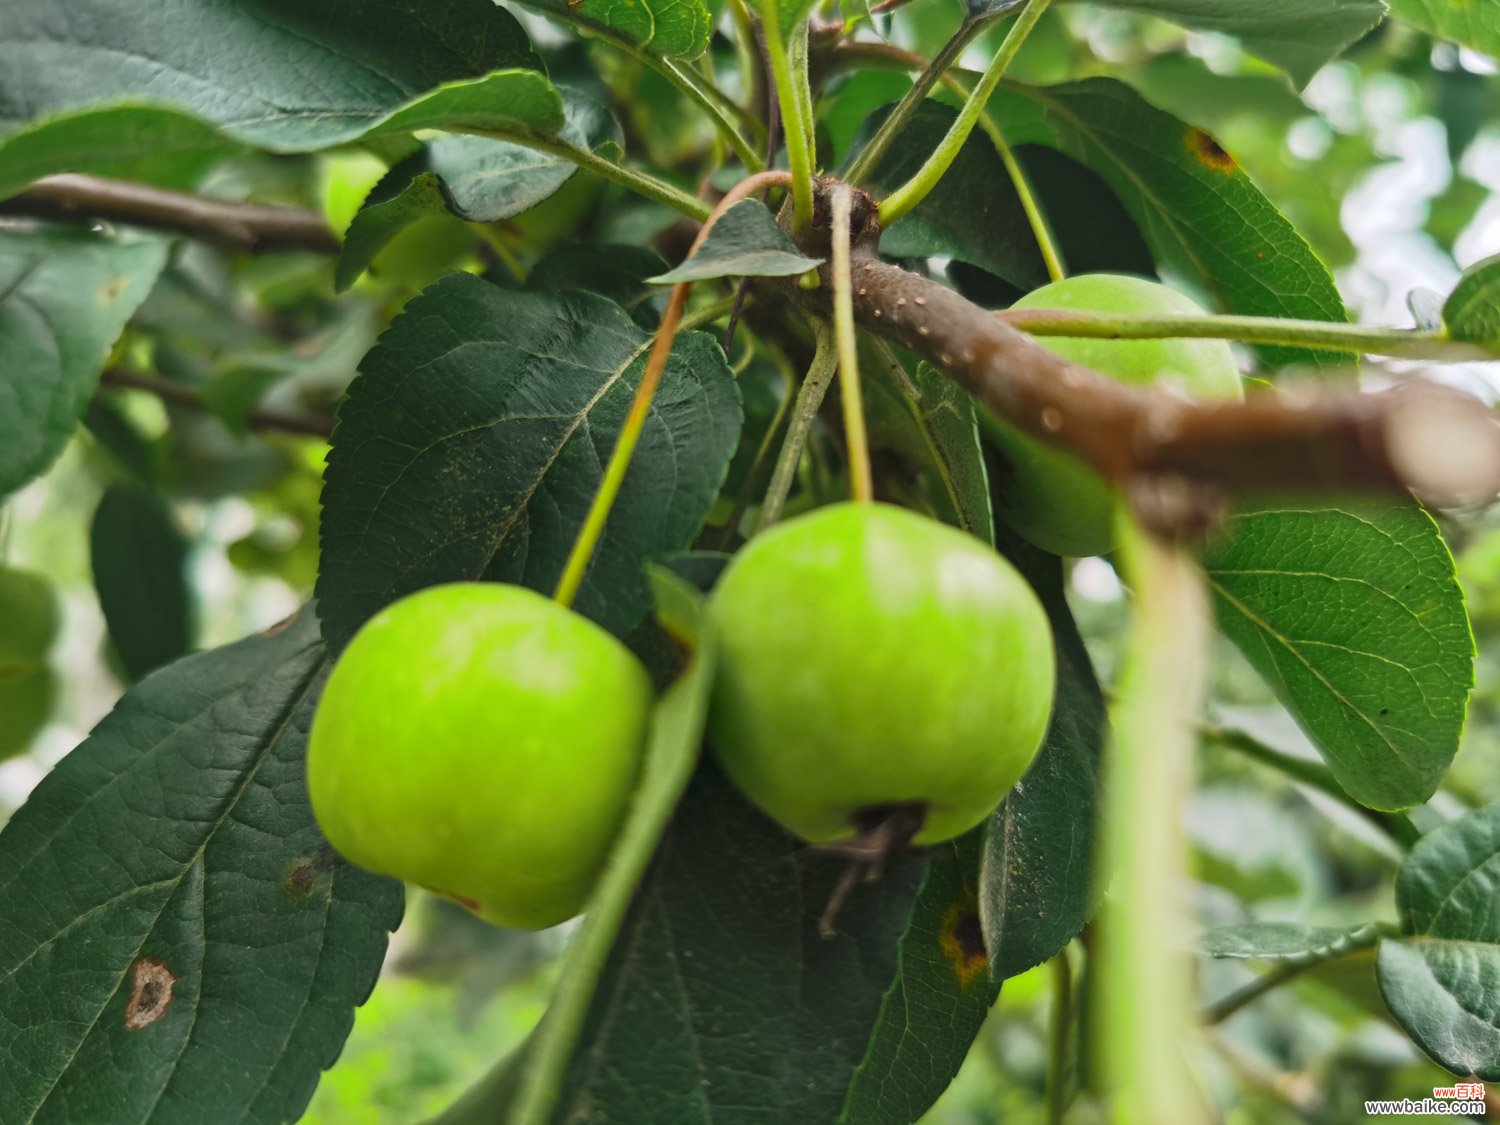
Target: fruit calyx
(884, 831)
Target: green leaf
(924, 438)
(1449, 885)
(477, 179)
(1443, 985)
(1357, 621)
(973, 214)
(1199, 212)
(139, 556)
(673, 29)
(1472, 311)
(150, 144)
(672, 752)
(1296, 35)
(65, 294)
(668, 1040)
(280, 74)
(475, 437)
(1470, 22)
(745, 242)
(177, 940)
(1038, 869)
(1287, 941)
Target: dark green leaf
(139, 557)
(1036, 882)
(1287, 941)
(177, 940)
(991, 7)
(477, 179)
(1443, 985)
(669, 1042)
(65, 294)
(745, 242)
(1472, 311)
(1356, 619)
(475, 437)
(1199, 212)
(1470, 22)
(611, 269)
(1296, 35)
(923, 431)
(132, 453)
(281, 74)
(973, 215)
(937, 1001)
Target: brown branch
(180, 395)
(248, 227)
(1179, 461)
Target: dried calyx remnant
(1179, 461)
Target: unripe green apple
(872, 658)
(29, 621)
(482, 741)
(1051, 497)
(26, 702)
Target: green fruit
(483, 742)
(25, 706)
(870, 658)
(1051, 497)
(29, 621)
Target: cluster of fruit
(483, 742)
(29, 624)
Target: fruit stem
(809, 400)
(900, 202)
(869, 158)
(795, 110)
(589, 535)
(861, 480)
(1059, 1037)
(672, 752)
(1404, 343)
(1144, 1008)
(1036, 218)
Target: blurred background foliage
(1388, 162)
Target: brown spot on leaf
(301, 878)
(114, 289)
(962, 941)
(1209, 152)
(150, 993)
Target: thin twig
(579, 557)
(179, 394)
(809, 399)
(249, 227)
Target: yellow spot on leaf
(1208, 151)
(962, 941)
